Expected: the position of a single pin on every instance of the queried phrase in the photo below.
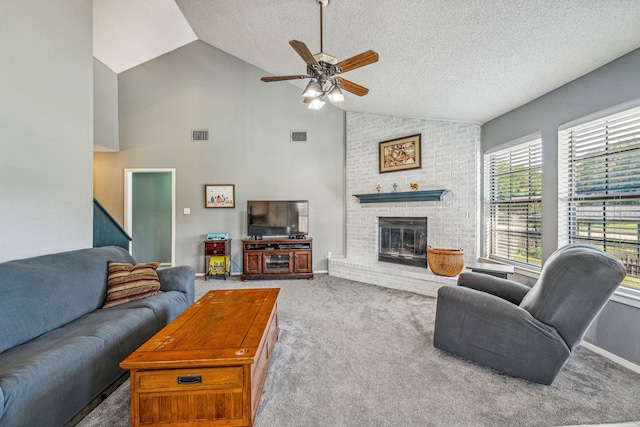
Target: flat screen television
(277, 217)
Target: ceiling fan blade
(352, 87)
(307, 100)
(365, 58)
(280, 78)
(304, 52)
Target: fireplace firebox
(403, 240)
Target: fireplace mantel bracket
(406, 196)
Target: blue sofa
(58, 349)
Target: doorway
(150, 214)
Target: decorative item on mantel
(445, 262)
(395, 187)
(413, 186)
(379, 187)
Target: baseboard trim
(230, 274)
(617, 359)
(239, 274)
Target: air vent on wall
(199, 134)
(298, 136)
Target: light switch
(187, 211)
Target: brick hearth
(413, 279)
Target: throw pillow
(128, 282)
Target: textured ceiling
(469, 60)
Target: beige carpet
(352, 354)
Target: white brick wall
(450, 160)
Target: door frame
(128, 203)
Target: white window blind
(514, 188)
(599, 187)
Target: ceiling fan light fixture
(323, 71)
(316, 104)
(313, 90)
(335, 94)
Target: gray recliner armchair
(527, 332)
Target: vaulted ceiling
(470, 60)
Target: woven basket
(445, 262)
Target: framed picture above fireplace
(400, 154)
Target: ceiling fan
(325, 70)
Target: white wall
(105, 108)
(450, 153)
(200, 87)
(46, 127)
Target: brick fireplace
(450, 160)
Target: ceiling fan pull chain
(321, 7)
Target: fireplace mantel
(405, 196)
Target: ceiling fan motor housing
(323, 57)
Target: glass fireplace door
(403, 241)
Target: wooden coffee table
(208, 366)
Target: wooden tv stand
(277, 259)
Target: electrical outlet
(187, 211)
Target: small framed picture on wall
(219, 196)
(400, 154)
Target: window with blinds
(599, 187)
(513, 179)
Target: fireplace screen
(403, 240)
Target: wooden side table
(218, 248)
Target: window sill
(518, 269)
(627, 296)
(622, 295)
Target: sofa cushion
(43, 293)
(32, 372)
(166, 306)
(128, 282)
(75, 362)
